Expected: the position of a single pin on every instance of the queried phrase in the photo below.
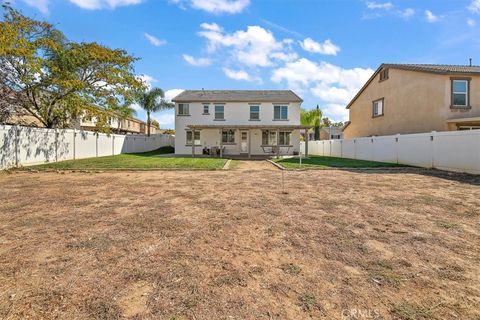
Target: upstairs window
(206, 109)
(378, 108)
(383, 74)
(183, 109)
(280, 113)
(254, 112)
(460, 94)
(219, 113)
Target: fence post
(96, 144)
(15, 142)
(74, 144)
(113, 144)
(341, 148)
(432, 148)
(56, 145)
(354, 149)
(397, 138)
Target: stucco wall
(236, 113)
(414, 102)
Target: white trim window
(228, 136)
(254, 112)
(219, 112)
(206, 109)
(377, 108)
(183, 109)
(460, 93)
(284, 138)
(189, 138)
(280, 112)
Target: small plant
(449, 225)
(291, 269)
(411, 311)
(308, 302)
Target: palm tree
(153, 101)
(312, 118)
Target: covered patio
(246, 141)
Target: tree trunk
(148, 123)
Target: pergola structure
(278, 128)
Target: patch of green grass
(291, 269)
(449, 225)
(136, 161)
(410, 311)
(319, 162)
(308, 302)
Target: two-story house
(237, 122)
(414, 98)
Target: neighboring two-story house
(237, 122)
(414, 98)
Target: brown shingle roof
(445, 69)
(435, 68)
(237, 96)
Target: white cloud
(154, 40)
(431, 18)
(255, 47)
(237, 75)
(211, 27)
(101, 4)
(334, 85)
(166, 119)
(407, 13)
(214, 6)
(475, 6)
(471, 22)
(147, 80)
(327, 47)
(375, 5)
(197, 62)
(40, 5)
(172, 93)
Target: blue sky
(324, 50)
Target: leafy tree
(153, 101)
(169, 131)
(326, 122)
(156, 124)
(312, 118)
(56, 80)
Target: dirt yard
(229, 245)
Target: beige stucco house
(414, 98)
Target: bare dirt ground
(230, 245)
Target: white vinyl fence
(20, 146)
(451, 150)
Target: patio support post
(278, 139)
(193, 142)
(306, 143)
(249, 143)
(221, 147)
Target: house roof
(237, 96)
(444, 69)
